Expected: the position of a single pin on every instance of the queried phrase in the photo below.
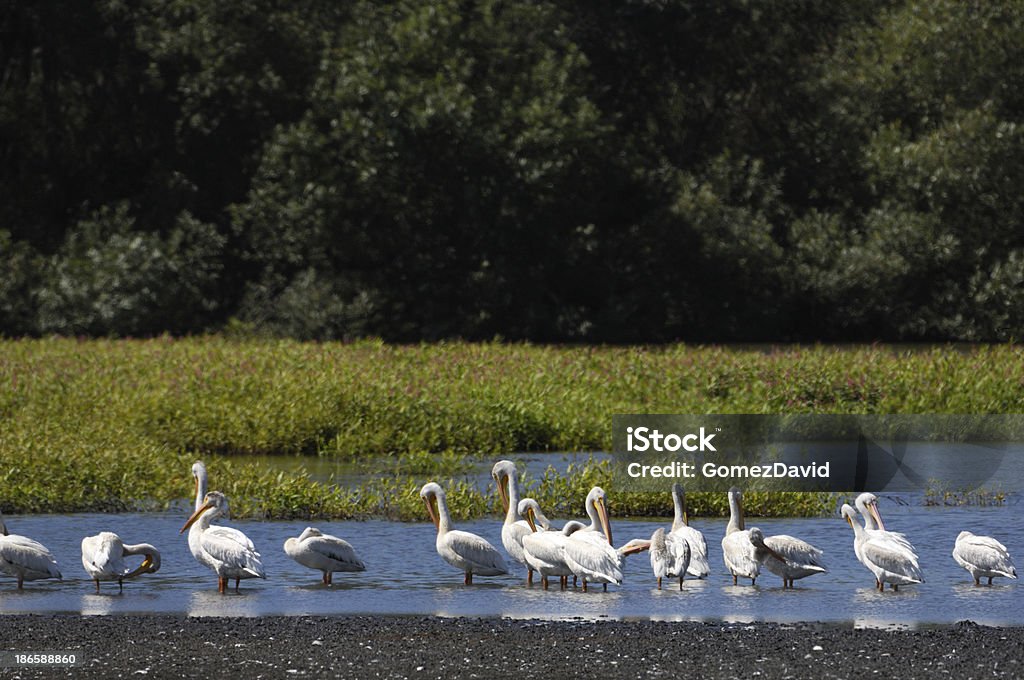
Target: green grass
(116, 424)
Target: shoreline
(159, 645)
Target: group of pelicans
(584, 552)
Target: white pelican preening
(103, 558)
(545, 550)
(698, 566)
(589, 552)
(670, 556)
(461, 549)
(983, 556)
(228, 552)
(25, 559)
(801, 559)
(323, 552)
(515, 527)
(743, 550)
(888, 560)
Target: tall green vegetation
(553, 171)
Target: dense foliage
(546, 170)
(116, 424)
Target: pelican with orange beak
(461, 549)
(515, 526)
(103, 559)
(589, 552)
(219, 549)
(744, 550)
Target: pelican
(983, 556)
(326, 553)
(103, 558)
(545, 550)
(25, 559)
(669, 558)
(589, 552)
(867, 504)
(228, 552)
(743, 550)
(801, 559)
(199, 475)
(886, 559)
(515, 527)
(461, 549)
(698, 565)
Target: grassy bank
(88, 425)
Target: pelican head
(502, 471)
(597, 508)
(530, 511)
(572, 526)
(848, 513)
(215, 501)
(432, 494)
(757, 538)
(867, 504)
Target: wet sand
(418, 647)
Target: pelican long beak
(530, 520)
(430, 511)
(873, 509)
(849, 520)
(636, 546)
(195, 515)
(602, 513)
(686, 518)
(502, 481)
(144, 568)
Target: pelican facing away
(461, 549)
(229, 553)
(983, 557)
(744, 550)
(323, 552)
(698, 565)
(545, 550)
(103, 558)
(515, 527)
(889, 561)
(669, 558)
(25, 559)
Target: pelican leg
(977, 581)
(469, 578)
(680, 583)
(97, 581)
(21, 582)
(323, 578)
(573, 580)
(330, 578)
(990, 580)
(753, 580)
(584, 585)
(543, 581)
(896, 587)
(659, 583)
(565, 582)
(735, 581)
(222, 584)
(237, 581)
(529, 577)
(606, 587)
(120, 585)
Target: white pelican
(461, 549)
(867, 504)
(25, 559)
(983, 556)
(219, 549)
(887, 560)
(515, 527)
(323, 552)
(199, 475)
(545, 550)
(589, 552)
(103, 558)
(669, 558)
(698, 566)
(743, 550)
(801, 559)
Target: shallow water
(406, 576)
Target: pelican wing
(679, 549)
(19, 554)
(233, 548)
(336, 549)
(895, 561)
(739, 555)
(590, 557)
(512, 538)
(480, 554)
(797, 552)
(699, 566)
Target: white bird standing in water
(743, 550)
(874, 531)
(464, 551)
(103, 559)
(515, 527)
(199, 475)
(545, 550)
(698, 564)
(886, 559)
(983, 557)
(229, 553)
(323, 552)
(669, 558)
(24, 558)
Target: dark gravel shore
(416, 647)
